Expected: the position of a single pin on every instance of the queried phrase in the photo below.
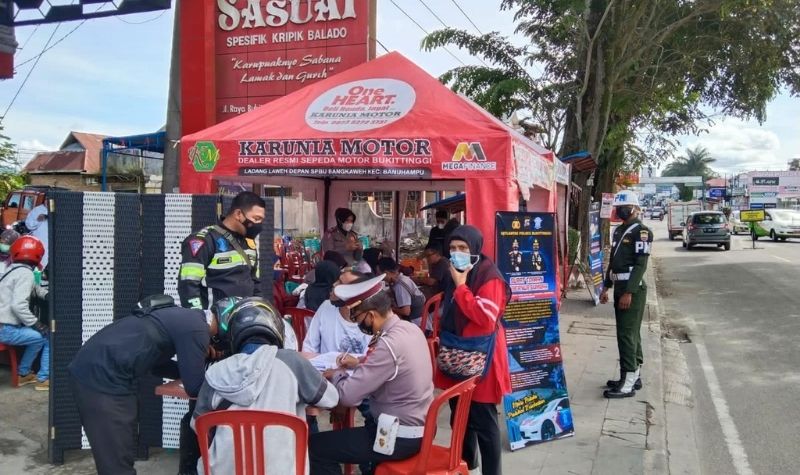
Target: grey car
(707, 227)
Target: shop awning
(454, 204)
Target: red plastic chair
(248, 441)
(432, 310)
(295, 266)
(299, 316)
(433, 348)
(435, 459)
(12, 362)
(281, 297)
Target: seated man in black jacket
(106, 369)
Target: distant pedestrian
(629, 254)
(7, 238)
(36, 222)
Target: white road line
(734, 443)
(781, 258)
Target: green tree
(10, 178)
(794, 165)
(697, 162)
(635, 74)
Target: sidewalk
(624, 436)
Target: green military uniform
(629, 253)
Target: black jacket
(209, 260)
(114, 358)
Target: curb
(656, 457)
(670, 450)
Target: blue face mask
(4, 248)
(462, 260)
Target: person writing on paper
(104, 373)
(395, 376)
(260, 375)
(473, 306)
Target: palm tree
(696, 163)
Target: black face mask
(365, 329)
(252, 230)
(624, 212)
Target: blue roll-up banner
(595, 255)
(538, 408)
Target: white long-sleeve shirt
(16, 288)
(39, 229)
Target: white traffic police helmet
(626, 198)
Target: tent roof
(437, 111)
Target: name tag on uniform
(224, 260)
(386, 435)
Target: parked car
(657, 213)
(19, 203)
(707, 227)
(779, 224)
(555, 419)
(737, 226)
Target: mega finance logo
(204, 156)
(469, 156)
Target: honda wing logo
(469, 156)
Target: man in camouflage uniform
(629, 253)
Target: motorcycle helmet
(252, 319)
(27, 249)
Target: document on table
(325, 361)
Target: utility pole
(171, 150)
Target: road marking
(781, 258)
(734, 443)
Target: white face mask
(440, 225)
(347, 227)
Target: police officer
(629, 252)
(342, 239)
(223, 257)
(395, 375)
(104, 373)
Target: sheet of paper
(325, 361)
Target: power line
(426, 32)
(29, 37)
(25, 81)
(445, 25)
(381, 44)
(467, 16)
(35, 58)
(149, 20)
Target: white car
(780, 224)
(549, 423)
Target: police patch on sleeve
(195, 245)
(643, 244)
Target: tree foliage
(794, 165)
(10, 179)
(697, 162)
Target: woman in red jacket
(474, 306)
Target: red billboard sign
(265, 49)
(253, 51)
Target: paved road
(742, 311)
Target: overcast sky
(110, 76)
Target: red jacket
(482, 311)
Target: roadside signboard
(751, 215)
(607, 204)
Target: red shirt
(482, 311)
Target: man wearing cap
(104, 373)
(395, 376)
(629, 253)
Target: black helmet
(242, 319)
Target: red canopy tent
(385, 124)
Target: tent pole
(326, 200)
(398, 220)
